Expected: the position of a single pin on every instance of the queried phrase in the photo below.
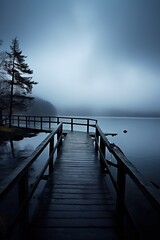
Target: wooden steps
(76, 203)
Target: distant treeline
(132, 113)
(108, 112)
(41, 107)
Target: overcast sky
(94, 53)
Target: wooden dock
(76, 203)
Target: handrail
(128, 168)
(145, 186)
(124, 167)
(7, 184)
(20, 174)
(45, 122)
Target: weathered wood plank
(75, 201)
(80, 196)
(74, 234)
(61, 189)
(84, 223)
(61, 207)
(75, 214)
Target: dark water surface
(141, 143)
(14, 153)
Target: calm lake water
(141, 143)
(14, 153)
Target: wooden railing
(124, 168)
(19, 179)
(49, 122)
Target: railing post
(87, 125)
(49, 122)
(26, 122)
(12, 119)
(97, 140)
(59, 135)
(34, 122)
(29, 119)
(18, 120)
(23, 188)
(51, 147)
(102, 154)
(71, 124)
(121, 181)
(41, 123)
(23, 192)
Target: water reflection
(13, 153)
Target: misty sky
(89, 53)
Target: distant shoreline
(111, 115)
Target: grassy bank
(15, 133)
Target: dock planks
(76, 203)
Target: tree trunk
(11, 102)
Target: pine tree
(3, 85)
(18, 70)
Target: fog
(92, 54)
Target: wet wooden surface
(76, 203)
